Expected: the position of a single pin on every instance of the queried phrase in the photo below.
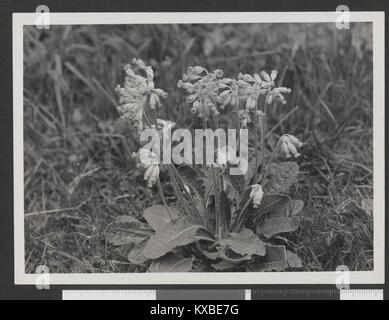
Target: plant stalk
(177, 190)
(164, 199)
(216, 189)
(256, 141)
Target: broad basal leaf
(272, 226)
(158, 216)
(274, 260)
(223, 265)
(127, 230)
(231, 256)
(136, 255)
(181, 232)
(293, 259)
(281, 176)
(295, 207)
(244, 243)
(213, 255)
(172, 263)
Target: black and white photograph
(244, 151)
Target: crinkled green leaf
(158, 217)
(181, 232)
(136, 255)
(171, 263)
(231, 256)
(223, 265)
(274, 260)
(127, 230)
(279, 206)
(244, 243)
(273, 226)
(293, 259)
(213, 255)
(295, 207)
(281, 176)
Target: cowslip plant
(219, 221)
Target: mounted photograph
(199, 148)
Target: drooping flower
(277, 94)
(202, 87)
(250, 88)
(229, 93)
(136, 92)
(289, 145)
(244, 117)
(256, 194)
(148, 160)
(269, 80)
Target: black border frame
(7, 288)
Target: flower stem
(256, 142)
(263, 131)
(271, 158)
(180, 183)
(240, 218)
(219, 184)
(177, 189)
(164, 199)
(216, 190)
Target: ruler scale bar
(202, 294)
(295, 294)
(109, 295)
(225, 294)
(362, 294)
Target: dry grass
(78, 172)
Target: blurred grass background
(79, 175)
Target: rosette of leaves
(250, 240)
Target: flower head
(268, 80)
(251, 87)
(256, 194)
(202, 87)
(138, 90)
(148, 160)
(277, 94)
(228, 95)
(289, 145)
